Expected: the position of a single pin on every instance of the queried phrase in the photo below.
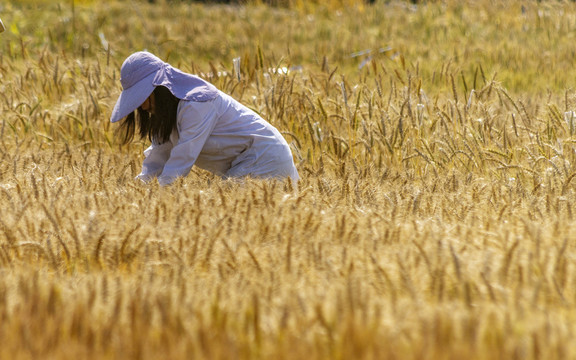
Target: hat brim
(130, 99)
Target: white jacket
(224, 137)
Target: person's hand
(144, 178)
(166, 180)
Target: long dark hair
(156, 127)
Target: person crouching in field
(191, 122)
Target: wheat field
(434, 218)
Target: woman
(190, 122)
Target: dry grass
(434, 220)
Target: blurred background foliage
(527, 46)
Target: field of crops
(435, 217)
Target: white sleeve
(155, 158)
(196, 120)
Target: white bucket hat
(142, 71)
